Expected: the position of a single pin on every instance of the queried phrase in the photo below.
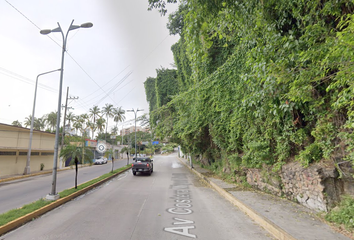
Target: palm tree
(108, 153)
(27, 121)
(70, 117)
(77, 124)
(81, 123)
(75, 153)
(16, 123)
(100, 124)
(92, 126)
(94, 112)
(114, 130)
(108, 111)
(118, 115)
(39, 124)
(52, 120)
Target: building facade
(14, 143)
(131, 129)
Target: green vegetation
(258, 82)
(20, 212)
(82, 153)
(344, 214)
(67, 192)
(28, 208)
(169, 148)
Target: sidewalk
(282, 218)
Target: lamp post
(53, 195)
(135, 112)
(27, 168)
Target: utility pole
(66, 107)
(135, 112)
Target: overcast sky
(107, 63)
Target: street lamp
(27, 168)
(135, 111)
(53, 195)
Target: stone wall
(317, 187)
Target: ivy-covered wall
(261, 82)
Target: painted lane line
(137, 219)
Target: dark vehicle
(143, 165)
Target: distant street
(172, 203)
(17, 193)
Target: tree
(16, 123)
(27, 121)
(70, 117)
(118, 115)
(101, 124)
(77, 125)
(108, 153)
(261, 82)
(94, 112)
(83, 124)
(150, 92)
(51, 119)
(108, 111)
(93, 127)
(160, 5)
(75, 153)
(125, 150)
(39, 124)
(166, 85)
(144, 120)
(114, 130)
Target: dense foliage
(261, 82)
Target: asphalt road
(17, 193)
(172, 203)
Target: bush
(344, 214)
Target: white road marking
(122, 176)
(182, 221)
(137, 219)
(181, 231)
(176, 165)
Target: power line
(107, 94)
(58, 45)
(25, 79)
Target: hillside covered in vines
(258, 82)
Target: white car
(99, 161)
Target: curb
(30, 216)
(265, 223)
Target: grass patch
(31, 207)
(343, 214)
(20, 212)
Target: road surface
(172, 203)
(17, 193)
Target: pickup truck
(143, 165)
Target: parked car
(99, 161)
(143, 165)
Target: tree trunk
(76, 169)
